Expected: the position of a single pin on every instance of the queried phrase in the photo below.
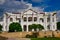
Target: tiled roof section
(53, 14)
(17, 13)
(42, 13)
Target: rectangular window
(48, 19)
(35, 18)
(53, 19)
(29, 19)
(24, 27)
(25, 18)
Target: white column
(38, 18)
(8, 23)
(51, 21)
(38, 22)
(27, 23)
(32, 18)
(22, 22)
(4, 23)
(45, 22)
(27, 28)
(55, 22)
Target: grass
(45, 38)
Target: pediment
(30, 11)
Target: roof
(34, 11)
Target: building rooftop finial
(22, 1)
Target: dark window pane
(35, 18)
(25, 19)
(48, 19)
(11, 19)
(42, 19)
(25, 27)
(29, 18)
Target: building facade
(28, 17)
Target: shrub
(0, 27)
(28, 36)
(34, 35)
(15, 27)
(35, 26)
(58, 25)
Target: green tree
(0, 27)
(30, 27)
(35, 26)
(58, 25)
(40, 26)
(15, 27)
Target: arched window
(41, 19)
(35, 18)
(11, 19)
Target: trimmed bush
(15, 27)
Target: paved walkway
(18, 39)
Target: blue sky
(49, 5)
(14, 5)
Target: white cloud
(2, 1)
(13, 5)
(38, 9)
(37, 0)
(16, 6)
(40, 0)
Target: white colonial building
(28, 17)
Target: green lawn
(45, 38)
